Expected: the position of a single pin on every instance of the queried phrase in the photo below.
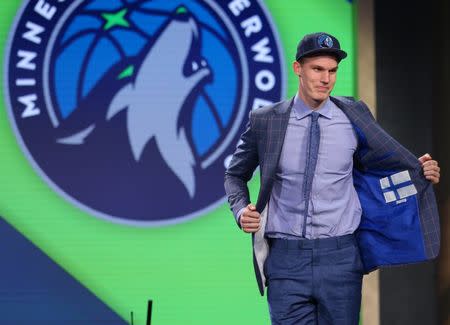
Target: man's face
(317, 78)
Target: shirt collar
(301, 109)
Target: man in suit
(338, 198)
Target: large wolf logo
(130, 110)
(142, 97)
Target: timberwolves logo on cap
(325, 41)
(130, 109)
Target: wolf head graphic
(174, 54)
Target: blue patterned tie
(312, 151)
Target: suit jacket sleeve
(241, 168)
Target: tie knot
(315, 116)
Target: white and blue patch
(397, 187)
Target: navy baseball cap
(318, 43)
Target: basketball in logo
(131, 109)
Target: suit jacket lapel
(276, 129)
(362, 121)
(350, 108)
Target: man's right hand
(250, 219)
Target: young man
(339, 197)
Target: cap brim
(336, 52)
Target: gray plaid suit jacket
(399, 223)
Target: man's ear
(297, 68)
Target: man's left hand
(430, 168)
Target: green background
(197, 272)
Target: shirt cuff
(238, 216)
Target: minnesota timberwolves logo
(130, 109)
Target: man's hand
(430, 168)
(250, 219)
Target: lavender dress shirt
(334, 207)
